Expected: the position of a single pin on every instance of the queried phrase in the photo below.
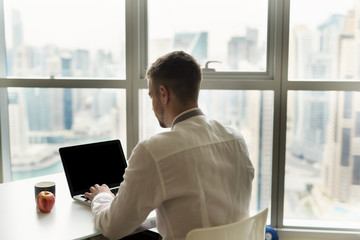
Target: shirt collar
(186, 115)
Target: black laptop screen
(88, 164)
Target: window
(287, 78)
(49, 39)
(318, 184)
(321, 104)
(323, 41)
(197, 27)
(69, 46)
(41, 120)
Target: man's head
(174, 77)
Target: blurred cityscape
(322, 179)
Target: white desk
(20, 219)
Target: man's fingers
(88, 195)
(96, 189)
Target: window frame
(310, 85)
(7, 82)
(275, 78)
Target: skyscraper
(310, 118)
(17, 28)
(66, 67)
(341, 166)
(195, 44)
(38, 108)
(244, 51)
(82, 63)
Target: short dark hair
(179, 72)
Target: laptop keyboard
(83, 196)
(113, 190)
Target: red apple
(45, 201)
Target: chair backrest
(252, 228)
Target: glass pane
(233, 32)
(250, 112)
(322, 174)
(325, 44)
(82, 38)
(42, 120)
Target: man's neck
(186, 114)
(173, 111)
(178, 110)
(183, 109)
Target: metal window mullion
(283, 11)
(143, 39)
(239, 85)
(132, 73)
(271, 38)
(5, 161)
(268, 74)
(323, 85)
(62, 83)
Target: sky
(315, 12)
(94, 24)
(49, 20)
(70, 23)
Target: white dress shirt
(197, 175)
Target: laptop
(94, 163)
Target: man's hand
(96, 189)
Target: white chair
(252, 228)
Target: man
(197, 175)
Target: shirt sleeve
(139, 194)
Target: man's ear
(164, 94)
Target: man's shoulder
(162, 144)
(159, 139)
(224, 130)
(189, 135)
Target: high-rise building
(104, 64)
(244, 51)
(66, 65)
(68, 108)
(38, 108)
(66, 69)
(315, 56)
(237, 51)
(304, 47)
(264, 177)
(82, 63)
(17, 29)
(310, 117)
(17, 126)
(195, 44)
(341, 167)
